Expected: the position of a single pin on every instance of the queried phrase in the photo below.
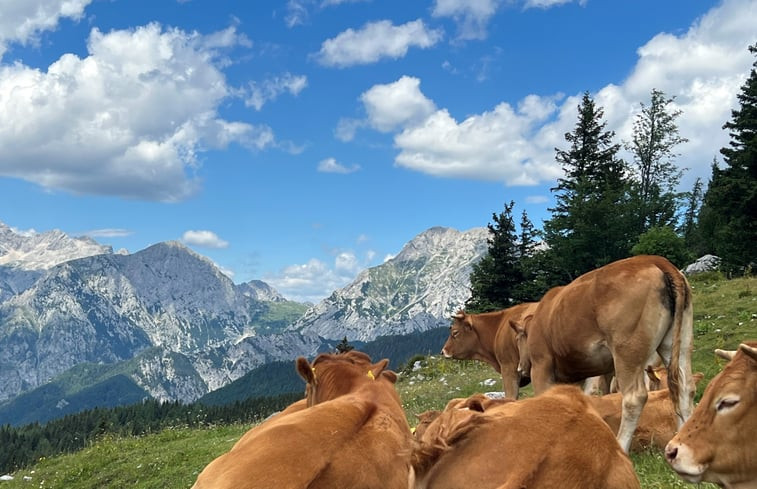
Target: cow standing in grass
(616, 318)
(487, 337)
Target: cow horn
(458, 315)
(749, 350)
(725, 354)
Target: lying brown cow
(658, 421)
(352, 433)
(553, 440)
(615, 318)
(718, 443)
(487, 337)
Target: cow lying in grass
(658, 421)
(351, 431)
(718, 443)
(554, 440)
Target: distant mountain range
(78, 321)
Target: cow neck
(487, 333)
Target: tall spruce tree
(589, 226)
(655, 136)
(728, 219)
(689, 228)
(495, 277)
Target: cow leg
(510, 386)
(542, 376)
(634, 392)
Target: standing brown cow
(615, 318)
(487, 337)
(718, 443)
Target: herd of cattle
(616, 322)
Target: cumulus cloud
(206, 239)
(471, 16)
(375, 41)
(314, 280)
(127, 120)
(702, 68)
(23, 21)
(330, 165)
(261, 92)
(396, 104)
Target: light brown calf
(487, 337)
(615, 318)
(553, 440)
(718, 443)
(658, 421)
(351, 433)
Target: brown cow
(487, 337)
(658, 421)
(615, 318)
(351, 433)
(717, 443)
(553, 440)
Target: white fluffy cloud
(204, 238)
(471, 16)
(126, 120)
(374, 41)
(270, 89)
(702, 68)
(23, 20)
(330, 165)
(308, 282)
(396, 104)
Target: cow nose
(671, 452)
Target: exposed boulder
(707, 263)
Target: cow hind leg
(634, 392)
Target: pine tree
(655, 135)
(689, 227)
(728, 219)
(589, 226)
(344, 346)
(495, 277)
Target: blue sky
(300, 142)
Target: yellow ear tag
(313, 369)
(656, 375)
(370, 375)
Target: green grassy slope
(725, 314)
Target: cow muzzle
(681, 460)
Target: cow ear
(305, 370)
(518, 326)
(378, 367)
(725, 354)
(750, 351)
(697, 377)
(475, 405)
(390, 375)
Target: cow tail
(679, 372)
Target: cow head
(521, 339)
(463, 342)
(333, 375)
(716, 442)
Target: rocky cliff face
(179, 328)
(415, 291)
(109, 308)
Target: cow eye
(455, 333)
(726, 403)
